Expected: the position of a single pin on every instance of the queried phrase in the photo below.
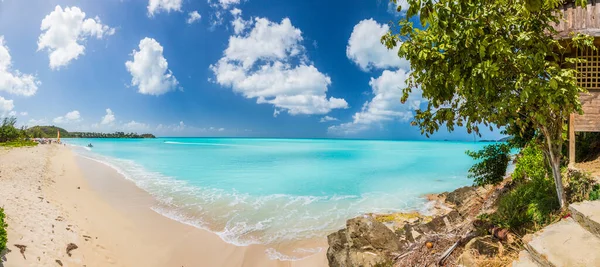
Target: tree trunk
(554, 158)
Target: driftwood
(463, 240)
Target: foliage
(484, 63)
(8, 131)
(580, 186)
(531, 164)
(3, 234)
(50, 132)
(530, 205)
(595, 193)
(492, 163)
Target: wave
(243, 219)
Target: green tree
(8, 132)
(492, 162)
(484, 63)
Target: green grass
(19, 143)
(3, 234)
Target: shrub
(595, 193)
(8, 132)
(531, 164)
(580, 186)
(3, 234)
(531, 204)
(492, 163)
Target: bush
(580, 186)
(532, 202)
(531, 164)
(491, 166)
(8, 132)
(595, 193)
(3, 234)
(529, 205)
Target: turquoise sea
(274, 191)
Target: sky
(239, 68)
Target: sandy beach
(53, 198)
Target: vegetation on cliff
(484, 63)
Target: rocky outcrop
(402, 238)
(364, 242)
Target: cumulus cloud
(150, 70)
(238, 23)
(156, 6)
(193, 17)
(109, 118)
(366, 50)
(327, 119)
(6, 105)
(23, 113)
(13, 81)
(70, 117)
(268, 63)
(64, 31)
(385, 105)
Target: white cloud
(193, 17)
(221, 129)
(150, 70)
(23, 113)
(156, 6)
(13, 81)
(224, 4)
(12, 113)
(327, 119)
(393, 8)
(70, 117)
(63, 31)
(269, 63)
(135, 126)
(385, 105)
(239, 24)
(6, 105)
(366, 50)
(108, 118)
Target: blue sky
(255, 68)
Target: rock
(466, 259)
(458, 196)
(485, 246)
(364, 242)
(59, 262)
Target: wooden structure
(586, 21)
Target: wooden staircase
(572, 242)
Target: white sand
(52, 198)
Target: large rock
(364, 242)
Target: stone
(365, 242)
(484, 245)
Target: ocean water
(282, 191)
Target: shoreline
(106, 216)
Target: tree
(8, 132)
(484, 63)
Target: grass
(19, 143)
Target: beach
(53, 198)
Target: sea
(283, 191)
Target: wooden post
(572, 140)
